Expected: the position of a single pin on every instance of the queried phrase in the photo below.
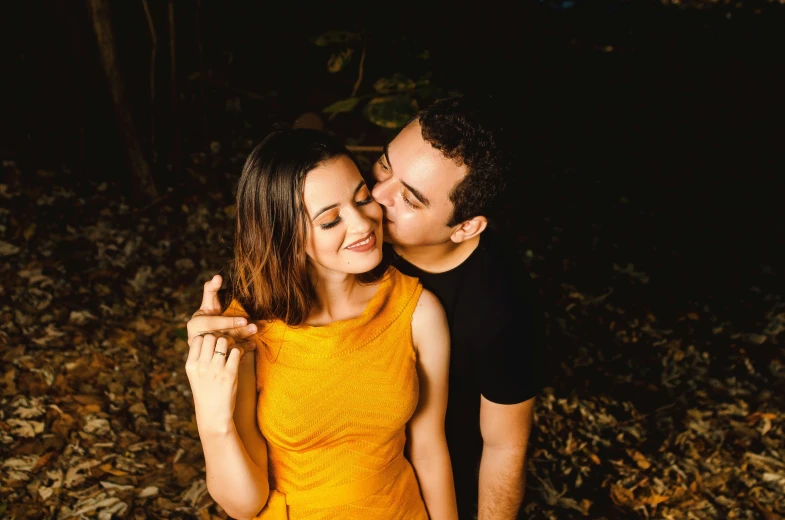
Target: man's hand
(208, 319)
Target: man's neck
(438, 258)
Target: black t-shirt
(496, 336)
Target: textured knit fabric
(333, 404)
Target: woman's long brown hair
(270, 263)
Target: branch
(359, 74)
(172, 56)
(202, 71)
(144, 184)
(356, 83)
(154, 40)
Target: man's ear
(469, 229)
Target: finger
(208, 349)
(241, 332)
(210, 302)
(231, 345)
(195, 350)
(194, 337)
(233, 362)
(245, 347)
(238, 327)
(220, 354)
(229, 342)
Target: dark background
(678, 109)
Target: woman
(351, 360)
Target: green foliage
(395, 98)
(339, 60)
(344, 105)
(395, 83)
(391, 111)
(341, 44)
(335, 38)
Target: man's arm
(505, 433)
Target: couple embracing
(355, 379)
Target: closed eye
(407, 201)
(332, 224)
(383, 166)
(365, 201)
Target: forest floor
(659, 404)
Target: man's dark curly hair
(466, 131)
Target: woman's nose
(359, 222)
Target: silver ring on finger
(220, 353)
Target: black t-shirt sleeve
(511, 367)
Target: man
(438, 181)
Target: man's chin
(386, 232)
(386, 235)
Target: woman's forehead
(334, 179)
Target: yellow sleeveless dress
(333, 405)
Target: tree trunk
(143, 182)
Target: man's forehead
(415, 161)
(409, 140)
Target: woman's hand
(213, 372)
(212, 369)
(209, 319)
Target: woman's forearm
(434, 473)
(234, 480)
(245, 420)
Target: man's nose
(381, 193)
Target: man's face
(413, 185)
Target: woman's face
(345, 232)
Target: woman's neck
(338, 296)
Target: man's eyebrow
(418, 195)
(331, 206)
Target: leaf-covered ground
(657, 407)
